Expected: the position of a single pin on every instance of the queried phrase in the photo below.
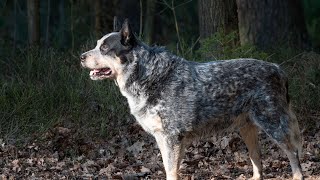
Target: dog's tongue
(105, 70)
(100, 71)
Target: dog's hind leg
(172, 150)
(292, 146)
(249, 134)
(281, 125)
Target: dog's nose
(83, 57)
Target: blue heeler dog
(176, 100)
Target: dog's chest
(147, 117)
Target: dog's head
(111, 53)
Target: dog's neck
(149, 67)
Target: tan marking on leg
(171, 156)
(249, 133)
(293, 147)
(295, 137)
(156, 124)
(292, 154)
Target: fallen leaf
(136, 147)
(145, 170)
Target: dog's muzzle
(98, 72)
(83, 57)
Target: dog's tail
(296, 138)
(294, 134)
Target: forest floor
(130, 153)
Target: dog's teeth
(100, 72)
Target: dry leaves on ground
(133, 154)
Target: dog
(177, 101)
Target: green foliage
(304, 80)
(312, 17)
(314, 29)
(221, 46)
(40, 88)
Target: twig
(172, 8)
(194, 44)
(270, 56)
(291, 58)
(183, 3)
(164, 9)
(176, 23)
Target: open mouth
(100, 73)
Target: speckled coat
(190, 96)
(177, 100)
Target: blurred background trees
(68, 23)
(40, 42)
(268, 23)
(33, 21)
(217, 15)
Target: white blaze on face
(100, 41)
(96, 60)
(102, 66)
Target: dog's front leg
(172, 151)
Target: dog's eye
(104, 47)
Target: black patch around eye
(123, 59)
(104, 49)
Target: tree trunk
(15, 27)
(48, 23)
(33, 22)
(272, 23)
(98, 14)
(215, 15)
(149, 21)
(72, 23)
(62, 23)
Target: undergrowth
(226, 46)
(42, 88)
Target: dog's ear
(127, 36)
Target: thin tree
(48, 22)
(149, 21)
(15, 26)
(33, 22)
(98, 14)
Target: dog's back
(197, 95)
